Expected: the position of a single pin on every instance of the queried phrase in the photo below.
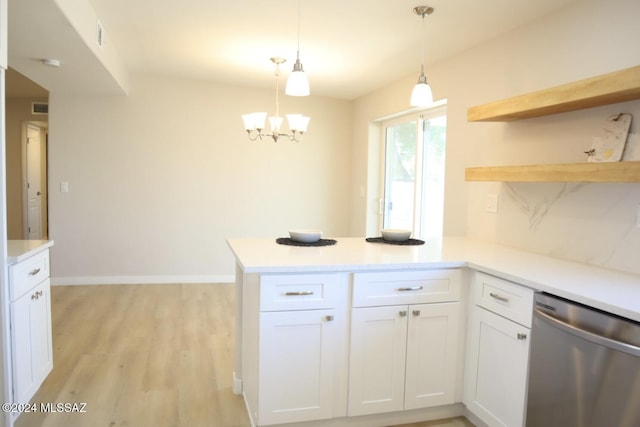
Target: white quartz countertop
(608, 290)
(19, 250)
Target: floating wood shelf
(611, 88)
(567, 172)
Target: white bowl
(395, 235)
(305, 236)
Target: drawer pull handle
(34, 272)
(412, 288)
(416, 312)
(298, 293)
(522, 337)
(328, 317)
(402, 313)
(498, 297)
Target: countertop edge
(19, 250)
(612, 291)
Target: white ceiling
(348, 47)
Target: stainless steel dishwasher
(584, 367)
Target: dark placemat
(322, 242)
(409, 242)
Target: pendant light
(297, 83)
(421, 96)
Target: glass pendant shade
(254, 121)
(421, 96)
(297, 83)
(276, 123)
(298, 122)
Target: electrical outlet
(492, 203)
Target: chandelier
(421, 96)
(254, 123)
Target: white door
(432, 354)
(497, 368)
(34, 186)
(377, 359)
(297, 363)
(31, 341)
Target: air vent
(39, 108)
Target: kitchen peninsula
(325, 333)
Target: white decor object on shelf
(608, 147)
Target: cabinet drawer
(302, 291)
(505, 298)
(27, 274)
(405, 287)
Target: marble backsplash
(585, 222)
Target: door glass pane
(432, 194)
(400, 170)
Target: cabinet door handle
(498, 297)
(522, 336)
(416, 312)
(402, 313)
(412, 288)
(34, 272)
(328, 317)
(298, 293)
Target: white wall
(159, 179)
(592, 223)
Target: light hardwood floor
(146, 355)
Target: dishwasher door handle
(589, 336)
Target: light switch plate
(64, 186)
(492, 203)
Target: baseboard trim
(139, 280)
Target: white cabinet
(30, 314)
(301, 349)
(498, 351)
(296, 365)
(31, 341)
(403, 356)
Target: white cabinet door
(496, 369)
(299, 356)
(403, 357)
(377, 359)
(432, 348)
(31, 341)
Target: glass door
(414, 158)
